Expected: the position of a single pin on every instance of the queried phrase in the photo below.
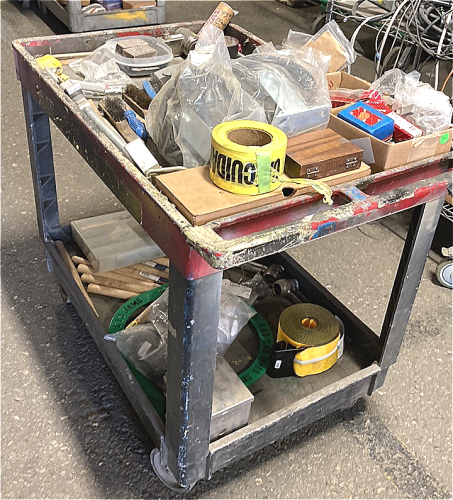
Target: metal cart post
(183, 453)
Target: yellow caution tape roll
(246, 156)
(314, 328)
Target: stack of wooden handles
(124, 283)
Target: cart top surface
(229, 241)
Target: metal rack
(183, 453)
(78, 21)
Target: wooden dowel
(131, 287)
(116, 275)
(108, 291)
(69, 264)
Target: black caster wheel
(164, 473)
(444, 273)
(319, 22)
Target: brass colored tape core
(307, 325)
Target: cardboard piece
(391, 155)
(136, 4)
(201, 201)
(342, 80)
(328, 44)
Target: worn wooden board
(201, 201)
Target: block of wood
(319, 154)
(201, 201)
(136, 4)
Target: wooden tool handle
(80, 260)
(108, 291)
(125, 277)
(122, 285)
(69, 264)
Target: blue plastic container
(369, 120)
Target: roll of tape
(314, 329)
(247, 157)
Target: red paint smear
(360, 209)
(315, 225)
(37, 43)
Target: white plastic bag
(101, 67)
(430, 109)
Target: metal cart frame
(77, 21)
(198, 255)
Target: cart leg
(193, 320)
(418, 241)
(43, 172)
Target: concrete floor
(69, 432)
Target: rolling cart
(77, 20)
(183, 452)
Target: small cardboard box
(341, 80)
(389, 155)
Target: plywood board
(201, 201)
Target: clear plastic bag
(330, 40)
(202, 93)
(145, 347)
(293, 93)
(101, 67)
(428, 108)
(296, 42)
(389, 81)
(208, 88)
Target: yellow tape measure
(314, 328)
(248, 158)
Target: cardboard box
(201, 201)
(136, 4)
(341, 80)
(390, 155)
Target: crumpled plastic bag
(202, 93)
(145, 346)
(208, 88)
(101, 66)
(330, 40)
(430, 109)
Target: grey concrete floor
(69, 432)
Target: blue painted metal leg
(193, 320)
(418, 242)
(43, 173)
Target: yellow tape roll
(315, 328)
(246, 157)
